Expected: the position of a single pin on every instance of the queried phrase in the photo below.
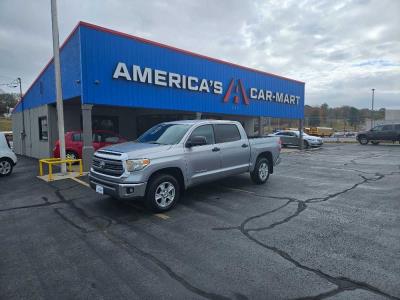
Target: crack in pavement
(342, 283)
(129, 247)
(45, 204)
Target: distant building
(391, 116)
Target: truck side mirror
(196, 141)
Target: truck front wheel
(260, 174)
(163, 192)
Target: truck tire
(162, 193)
(363, 140)
(260, 174)
(6, 167)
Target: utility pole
(57, 73)
(372, 109)
(23, 132)
(301, 140)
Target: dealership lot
(326, 225)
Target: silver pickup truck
(172, 156)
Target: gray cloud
(341, 49)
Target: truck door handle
(245, 146)
(215, 149)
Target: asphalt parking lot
(325, 226)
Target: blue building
(126, 84)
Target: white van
(8, 159)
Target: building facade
(126, 84)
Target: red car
(74, 143)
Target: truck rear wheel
(260, 174)
(163, 193)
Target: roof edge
(115, 32)
(119, 33)
(46, 66)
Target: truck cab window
(226, 133)
(387, 127)
(206, 131)
(377, 128)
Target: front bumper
(316, 143)
(118, 190)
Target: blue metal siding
(43, 89)
(101, 51)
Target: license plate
(99, 189)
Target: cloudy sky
(341, 49)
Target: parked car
(292, 138)
(9, 137)
(74, 142)
(388, 132)
(8, 159)
(174, 156)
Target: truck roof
(192, 122)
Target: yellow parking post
(40, 167)
(51, 161)
(80, 167)
(50, 171)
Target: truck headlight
(136, 164)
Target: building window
(109, 123)
(43, 129)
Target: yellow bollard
(40, 167)
(50, 171)
(80, 167)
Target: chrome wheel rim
(5, 167)
(165, 194)
(263, 171)
(363, 140)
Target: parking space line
(162, 216)
(80, 181)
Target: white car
(8, 159)
(291, 138)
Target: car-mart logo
(236, 94)
(236, 89)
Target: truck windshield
(164, 134)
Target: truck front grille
(107, 166)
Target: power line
(12, 84)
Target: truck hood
(137, 150)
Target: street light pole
(57, 73)
(372, 109)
